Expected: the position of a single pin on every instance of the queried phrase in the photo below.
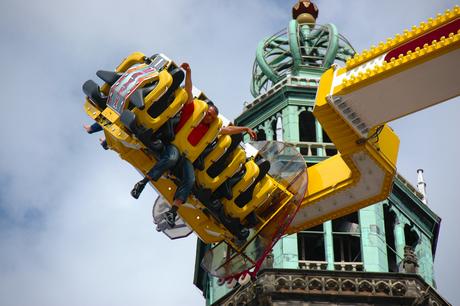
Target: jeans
(95, 127)
(168, 160)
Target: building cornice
(332, 286)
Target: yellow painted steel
(130, 149)
(348, 105)
(359, 176)
(352, 105)
(92, 110)
(408, 35)
(403, 66)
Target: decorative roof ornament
(305, 49)
(305, 12)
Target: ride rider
(171, 153)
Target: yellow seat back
(172, 109)
(239, 156)
(181, 141)
(231, 209)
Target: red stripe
(428, 38)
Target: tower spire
(421, 186)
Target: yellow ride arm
(406, 74)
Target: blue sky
(70, 233)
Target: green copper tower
(380, 255)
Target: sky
(70, 232)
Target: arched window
(411, 235)
(279, 133)
(390, 218)
(307, 126)
(307, 130)
(261, 135)
(273, 127)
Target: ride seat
(225, 190)
(181, 139)
(153, 139)
(133, 59)
(253, 189)
(163, 103)
(218, 167)
(95, 95)
(109, 77)
(219, 163)
(99, 95)
(199, 162)
(156, 102)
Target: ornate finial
(306, 49)
(305, 12)
(421, 186)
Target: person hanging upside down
(171, 153)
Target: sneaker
(170, 219)
(137, 190)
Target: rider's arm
(188, 82)
(230, 130)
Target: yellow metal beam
(354, 103)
